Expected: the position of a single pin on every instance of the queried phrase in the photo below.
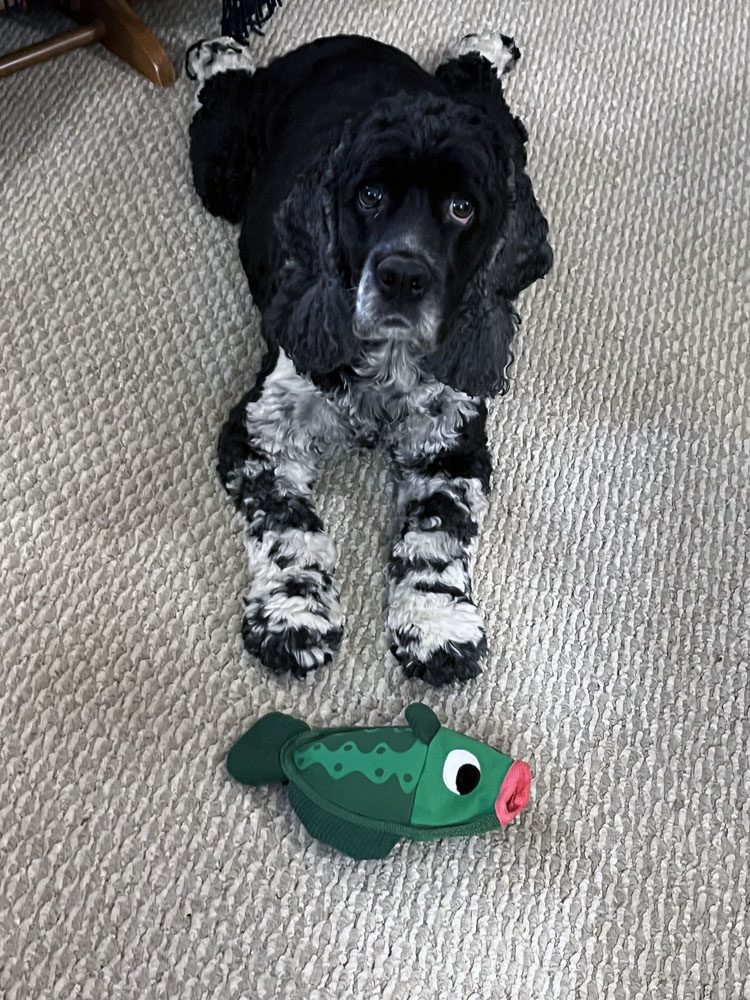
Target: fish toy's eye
(461, 772)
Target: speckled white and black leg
(436, 629)
(269, 454)
(210, 56)
(500, 51)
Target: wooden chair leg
(51, 47)
(127, 36)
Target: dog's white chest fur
(399, 408)
(390, 399)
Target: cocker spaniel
(387, 224)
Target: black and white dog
(387, 224)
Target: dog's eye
(370, 196)
(461, 210)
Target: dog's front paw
(294, 650)
(499, 50)
(438, 638)
(293, 620)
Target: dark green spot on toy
(355, 789)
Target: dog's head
(419, 230)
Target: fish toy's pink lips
(514, 792)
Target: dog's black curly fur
(286, 152)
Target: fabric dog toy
(360, 790)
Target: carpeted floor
(614, 568)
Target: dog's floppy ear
(310, 314)
(475, 355)
(524, 253)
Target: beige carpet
(614, 569)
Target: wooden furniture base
(111, 22)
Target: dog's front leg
(442, 476)
(270, 452)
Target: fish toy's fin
(255, 759)
(422, 721)
(359, 842)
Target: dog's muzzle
(399, 297)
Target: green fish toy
(363, 789)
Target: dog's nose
(401, 276)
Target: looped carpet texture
(613, 569)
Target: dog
(387, 224)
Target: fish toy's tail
(255, 757)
